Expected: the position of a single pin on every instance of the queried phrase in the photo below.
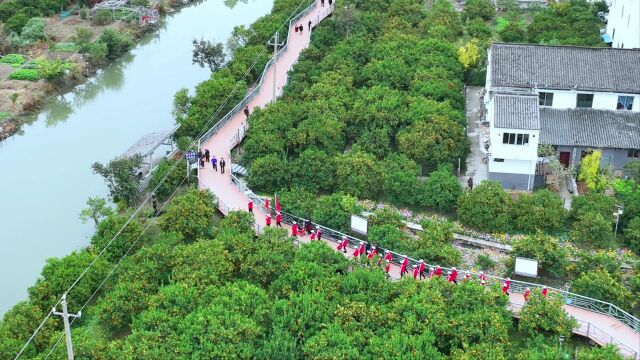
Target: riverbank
(21, 100)
(96, 121)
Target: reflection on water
(232, 3)
(61, 107)
(45, 174)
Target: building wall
(623, 23)
(563, 99)
(614, 158)
(513, 181)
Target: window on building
(585, 101)
(625, 103)
(546, 99)
(633, 153)
(515, 139)
(498, 160)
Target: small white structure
(526, 267)
(359, 224)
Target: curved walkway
(233, 195)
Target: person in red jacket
(267, 220)
(467, 276)
(294, 229)
(387, 267)
(544, 291)
(319, 234)
(454, 275)
(482, 276)
(387, 257)
(483, 283)
(356, 252)
(372, 253)
(526, 294)
(363, 248)
(278, 219)
(416, 272)
(313, 236)
(403, 267)
(432, 272)
(343, 245)
(438, 270)
(450, 277)
(250, 206)
(421, 269)
(505, 288)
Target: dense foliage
(570, 22)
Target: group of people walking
(206, 157)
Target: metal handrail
(571, 299)
(517, 286)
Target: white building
(623, 24)
(574, 98)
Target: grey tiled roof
(516, 112)
(589, 127)
(565, 67)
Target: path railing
(517, 286)
(571, 299)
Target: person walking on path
(470, 183)
(526, 294)
(267, 220)
(356, 252)
(403, 267)
(319, 233)
(222, 164)
(438, 270)
(250, 206)
(214, 163)
(294, 229)
(467, 276)
(483, 283)
(421, 269)
(201, 158)
(308, 227)
(363, 248)
(432, 272)
(454, 275)
(322, 3)
(387, 268)
(297, 29)
(387, 257)
(505, 288)
(207, 154)
(330, 3)
(301, 28)
(482, 276)
(342, 246)
(372, 253)
(278, 219)
(246, 112)
(544, 291)
(313, 236)
(416, 272)
(309, 25)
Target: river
(45, 173)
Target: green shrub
(601, 285)
(13, 59)
(65, 47)
(97, 52)
(33, 30)
(172, 181)
(101, 17)
(486, 208)
(484, 262)
(25, 74)
(117, 42)
(547, 250)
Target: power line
(169, 172)
(119, 262)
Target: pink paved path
(233, 199)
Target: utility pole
(67, 328)
(275, 44)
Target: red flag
(266, 203)
(277, 204)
